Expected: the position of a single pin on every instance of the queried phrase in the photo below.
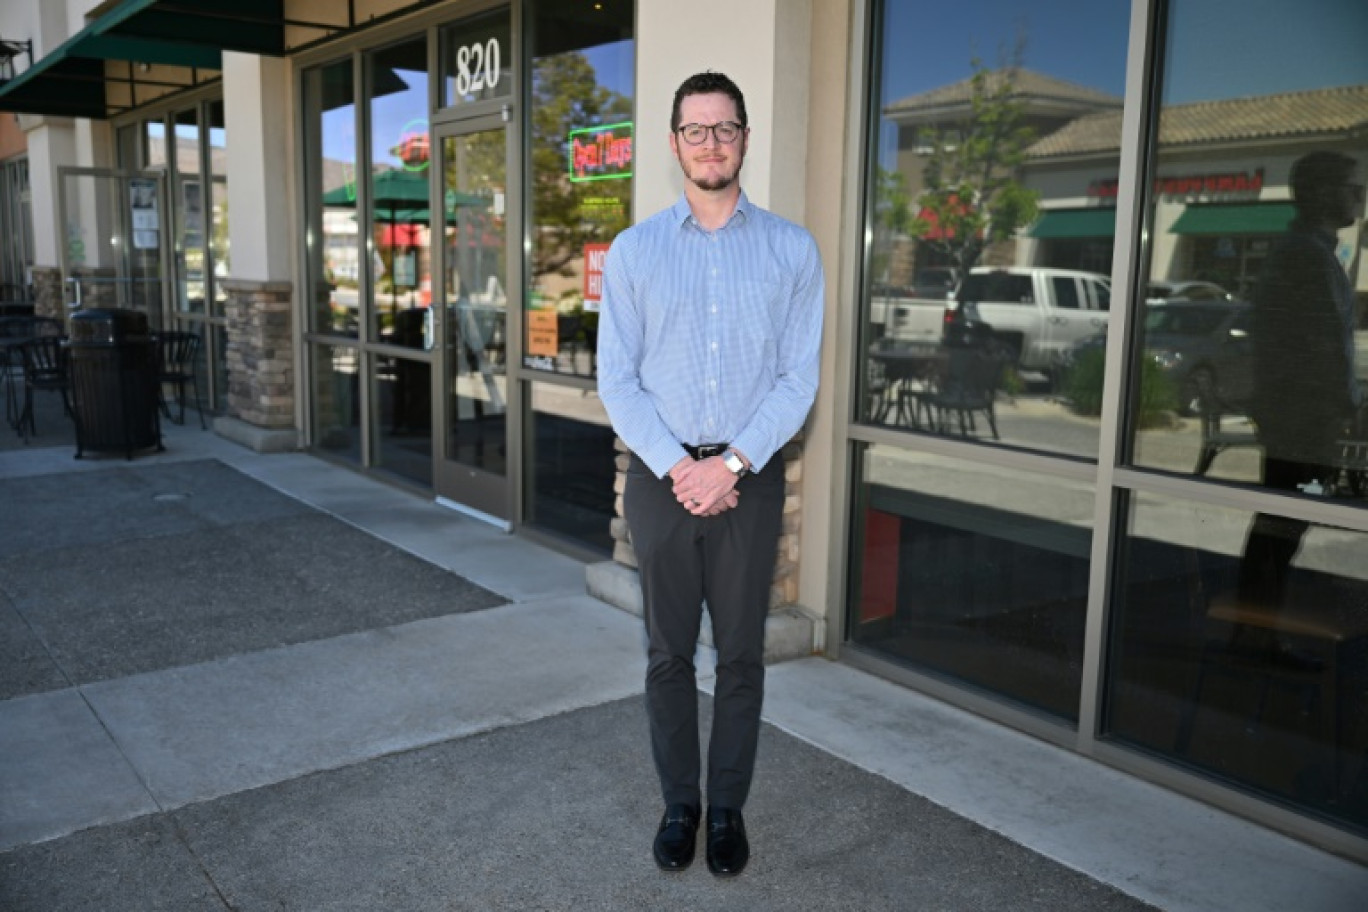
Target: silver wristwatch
(735, 464)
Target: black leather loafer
(728, 849)
(676, 838)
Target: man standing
(709, 335)
(1305, 387)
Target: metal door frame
(491, 497)
(71, 293)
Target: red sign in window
(594, 255)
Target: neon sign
(413, 149)
(601, 153)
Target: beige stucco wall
(828, 175)
(791, 59)
(764, 48)
(258, 114)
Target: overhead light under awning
(1250, 218)
(137, 50)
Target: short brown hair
(706, 84)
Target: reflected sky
(1220, 49)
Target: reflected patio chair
(45, 370)
(177, 358)
(972, 378)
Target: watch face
(734, 463)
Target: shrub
(1083, 387)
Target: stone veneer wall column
(260, 363)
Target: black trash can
(113, 363)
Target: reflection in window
(188, 202)
(580, 198)
(581, 182)
(983, 230)
(330, 156)
(401, 287)
(572, 480)
(1261, 690)
(402, 393)
(154, 137)
(974, 573)
(1253, 318)
(218, 213)
(336, 401)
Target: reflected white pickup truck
(1037, 312)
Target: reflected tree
(566, 96)
(972, 197)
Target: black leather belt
(705, 450)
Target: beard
(710, 182)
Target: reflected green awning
(1251, 218)
(1075, 223)
(70, 81)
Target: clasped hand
(705, 487)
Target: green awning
(1250, 218)
(1075, 223)
(189, 36)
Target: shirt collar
(683, 215)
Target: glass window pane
(154, 137)
(581, 182)
(219, 251)
(573, 474)
(187, 135)
(1240, 647)
(337, 401)
(401, 287)
(475, 289)
(477, 60)
(974, 573)
(333, 238)
(1252, 318)
(983, 230)
(218, 139)
(402, 393)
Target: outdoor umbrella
(400, 197)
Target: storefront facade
(396, 258)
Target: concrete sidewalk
(236, 681)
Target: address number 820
(477, 67)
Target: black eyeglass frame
(711, 128)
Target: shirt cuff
(754, 448)
(662, 457)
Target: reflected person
(1305, 389)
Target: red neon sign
(601, 153)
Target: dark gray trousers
(727, 561)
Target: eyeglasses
(725, 132)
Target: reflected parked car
(1161, 292)
(1203, 346)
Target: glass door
(115, 239)
(473, 159)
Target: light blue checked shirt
(710, 337)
